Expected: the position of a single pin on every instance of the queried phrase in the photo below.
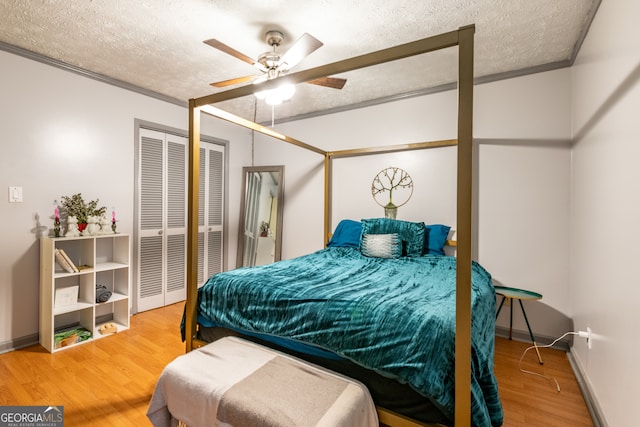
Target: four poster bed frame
(464, 39)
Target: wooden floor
(109, 382)
(530, 400)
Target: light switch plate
(15, 194)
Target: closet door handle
(160, 233)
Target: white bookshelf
(107, 262)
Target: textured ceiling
(156, 45)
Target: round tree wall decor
(391, 188)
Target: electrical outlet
(589, 341)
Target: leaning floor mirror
(261, 207)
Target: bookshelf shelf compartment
(71, 308)
(68, 299)
(59, 273)
(104, 266)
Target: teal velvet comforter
(394, 316)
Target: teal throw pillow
(435, 237)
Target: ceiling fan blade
(305, 45)
(231, 82)
(217, 44)
(332, 82)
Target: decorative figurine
(72, 227)
(93, 228)
(105, 226)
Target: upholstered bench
(234, 382)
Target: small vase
(82, 226)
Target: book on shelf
(65, 262)
(64, 254)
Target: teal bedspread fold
(394, 316)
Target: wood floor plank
(531, 400)
(109, 382)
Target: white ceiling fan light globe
(287, 91)
(278, 95)
(273, 98)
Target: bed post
(327, 198)
(464, 233)
(192, 224)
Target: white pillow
(381, 245)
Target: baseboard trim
(587, 392)
(19, 343)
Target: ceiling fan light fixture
(274, 65)
(269, 60)
(278, 95)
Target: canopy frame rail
(464, 39)
(366, 151)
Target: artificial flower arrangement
(76, 206)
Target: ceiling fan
(272, 64)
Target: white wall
(61, 134)
(605, 208)
(522, 128)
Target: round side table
(518, 294)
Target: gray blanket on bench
(232, 382)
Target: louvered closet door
(210, 214)
(162, 184)
(176, 228)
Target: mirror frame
(246, 170)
